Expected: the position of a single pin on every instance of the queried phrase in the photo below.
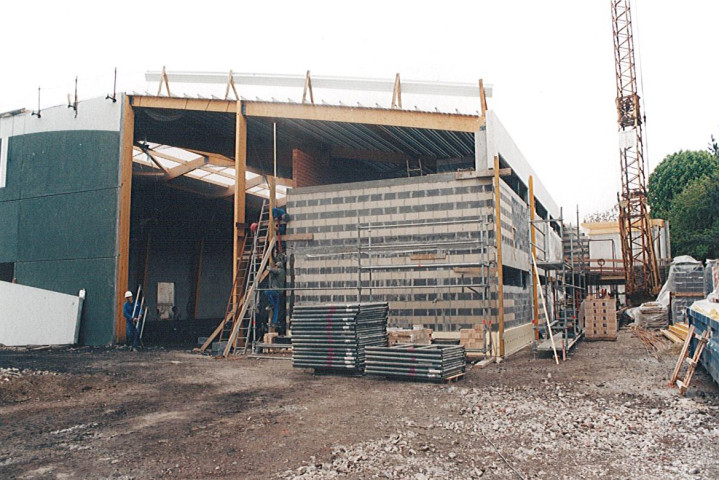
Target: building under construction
(437, 213)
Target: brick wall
(312, 168)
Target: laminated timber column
(123, 247)
(239, 216)
(498, 238)
(535, 303)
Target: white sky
(550, 62)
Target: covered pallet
(334, 337)
(416, 362)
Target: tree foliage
(714, 147)
(674, 174)
(694, 219)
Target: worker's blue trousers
(131, 333)
(273, 298)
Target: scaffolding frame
(368, 252)
(569, 280)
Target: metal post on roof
(37, 114)
(397, 93)
(308, 88)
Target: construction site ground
(111, 413)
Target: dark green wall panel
(96, 276)
(77, 225)
(8, 231)
(68, 161)
(58, 219)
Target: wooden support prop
(239, 211)
(486, 173)
(308, 89)
(199, 278)
(397, 93)
(295, 237)
(231, 84)
(544, 306)
(482, 99)
(147, 261)
(123, 257)
(165, 81)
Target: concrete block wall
(329, 260)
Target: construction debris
(334, 337)
(653, 341)
(423, 362)
(676, 333)
(8, 374)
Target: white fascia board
(500, 143)
(95, 114)
(322, 82)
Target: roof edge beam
(367, 116)
(179, 103)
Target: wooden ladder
(253, 249)
(692, 362)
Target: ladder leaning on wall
(254, 250)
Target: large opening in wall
(182, 201)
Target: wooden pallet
(454, 378)
(691, 362)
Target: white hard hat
(128, 294)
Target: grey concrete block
(218, 348)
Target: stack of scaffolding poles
(369, 251)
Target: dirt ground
(110, 413)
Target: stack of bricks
(472, 338)
(600, 317)
(415, 336)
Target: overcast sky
(550, 62)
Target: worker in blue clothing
(278, 276)
(128, 311)
(281, 218)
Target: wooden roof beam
(186, 167)
(363, 115)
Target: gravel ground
(108, 413)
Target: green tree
(674, 174)
(694, 219)
(714, 147)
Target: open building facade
(429, 211)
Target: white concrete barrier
(33, 316)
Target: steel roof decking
(416, 362)
(334, 337)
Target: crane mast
(639, 257)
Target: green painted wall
(58, 219)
